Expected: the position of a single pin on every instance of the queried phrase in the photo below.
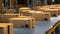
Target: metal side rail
(55, 29)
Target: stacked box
(39, 15)
(0, 16)
(58, 9)
(23, 9)
(5, 17)
(42, 16)
(9, 11)
(7, 28)
(53, 12)
(23, 21)
(18, 23)
(59, 12)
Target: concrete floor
(41, 27)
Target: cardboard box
(5, 17)
(23, 9)
(23, 22)
(7, 28)
(42, 16)
(19, 24)
(39, 15)
(0, 18)
(9, 11)
(59, 12)
(53, 12)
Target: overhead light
(53, 0)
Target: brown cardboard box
(59, 12)
(24, 9)
(7, 28)
(5, 17)
(0, 6)
(0, 17)
(42, 16)
(58, 9)
(22, 21)
(56, 6)
(39, 15)
(53, 12)
(19, 24)
(9, 11)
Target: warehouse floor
(40, 28)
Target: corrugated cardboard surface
(24, 9)
(19, 24)
(9, 11)
(59, 12)
(53, 13)
(1, 30)
(41, 17)
(5, 18)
